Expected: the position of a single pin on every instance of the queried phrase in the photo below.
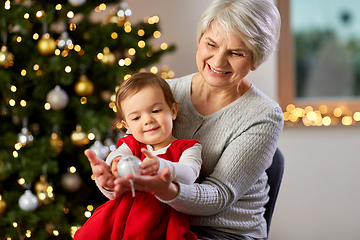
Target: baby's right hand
(114, 164)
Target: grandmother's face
(222, 58)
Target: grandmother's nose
(219, 60)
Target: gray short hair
(257, 22)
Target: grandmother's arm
(240, 166)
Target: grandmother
(237, 125)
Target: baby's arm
(187, 170)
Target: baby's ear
(125, 125)
(174, 110)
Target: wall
(319, 196)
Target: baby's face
(148, 117)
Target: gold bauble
(84, 86)
(108, 58)
(56, 142)
(6, 58)
(46, 45)
(78, 137)
(44, 191)
(2, 205)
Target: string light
(26, 15)
(131, 51)
(47, 106)
(36, 67)
(7, 5)
(72, 169)
(12, 102)
(309, 116)
(39, 14)
(83, 100)
(154, 69)
(58, 7)
(35, 36)
(21, 181)
(72, 27)
(102, 7)
(87, 214)
(67, 69)
(163, 46)
(114, 35)
(70, 14)
(141, 32)
(77, 48)
(141, 44)
(157, 34)
(91, 136)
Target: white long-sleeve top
(186, 170)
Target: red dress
(140, 217)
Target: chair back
(275, 173)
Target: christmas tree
(59, 69)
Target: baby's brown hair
(137, 82)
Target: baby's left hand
(151, 164)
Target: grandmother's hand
(160, 185)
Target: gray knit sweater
(238, 143)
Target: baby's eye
(156, 110)
(135, 118)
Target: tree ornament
(64, 40)
(110, 144)
(2, 205)
(25, 136)
(71, 182)
(44, 191)
(56, 142)
(124, 10)
(128, 164)
(76, 3)
(84, 86)
(6, 58)
(57, 98)
(78, 137)
(28, 201)
(100, 150)
(108, 57)
(46, 45)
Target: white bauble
(57, 98)
(128, 164)
(28, 201)
(76, 3)
(100, 150)
(71, 182)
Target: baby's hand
(114, 164)
(151, 164)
